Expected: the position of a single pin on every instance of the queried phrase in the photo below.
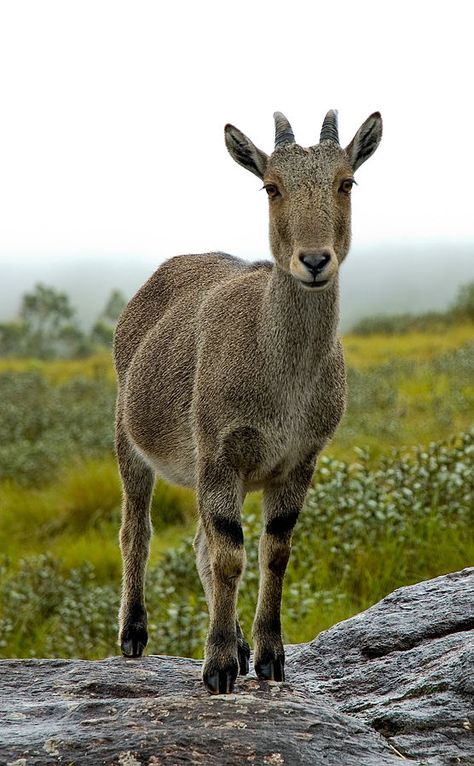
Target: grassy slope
(78, 518)
(97, 367)
(369, 350)
(406, 390)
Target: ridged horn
(329, 130)
(283, 132)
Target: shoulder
(241, 293)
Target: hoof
(133, 640)
(274, 670)
(243, 652)
(220, 681)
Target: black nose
(315, 261)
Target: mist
(375, 279)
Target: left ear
(245, 152)
(365, 141)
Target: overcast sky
(112, 117)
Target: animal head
(309, 193)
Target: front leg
(281, 506)
(220, 502)
(203, 564)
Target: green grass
(363, 352)
(374, 528)
(77, 518)
(59, 371)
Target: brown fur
(231, 378)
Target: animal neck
(300, 325)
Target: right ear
(245, 152)
(365, 141)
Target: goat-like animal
(231, 378)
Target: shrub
(43, 425)
(50, 613)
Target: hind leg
(204, 568)
(135, 533)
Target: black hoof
(274, 670)
(133, 640)
(243, 651)
(220, 681)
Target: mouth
(315, 285)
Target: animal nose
(315, 262)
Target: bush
(50, 613)
(43, 425)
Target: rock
(391, 684)
(404, 667)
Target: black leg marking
(281, 526)
(232, 530)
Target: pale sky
(112, 117)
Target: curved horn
(283, 132)
(329, 129)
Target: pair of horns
(284, 133)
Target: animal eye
(272, 190)
(346, 186)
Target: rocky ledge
(391, 684)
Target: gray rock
(404, 667)
(391, 684)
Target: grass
(363, 352)
(371, 529)
(77, 518)
(59, 371)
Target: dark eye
(272, 190)
(346, 186)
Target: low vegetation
(380, 514)
(364, 531)
(401, 391)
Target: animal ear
(245, 152)
(365, 141)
